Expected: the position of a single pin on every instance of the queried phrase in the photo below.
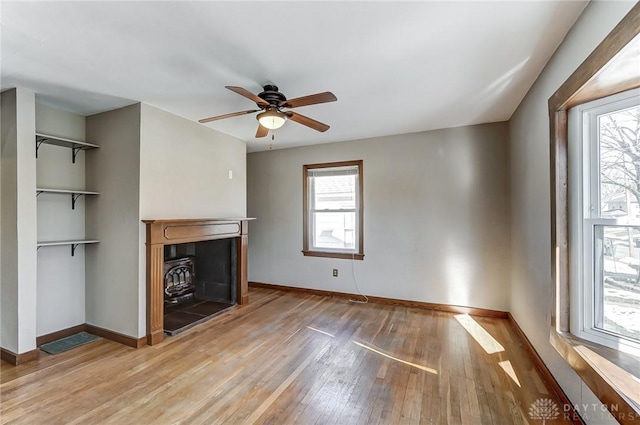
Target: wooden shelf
(66, 191)
(75, 194)
(75, 145)
(73, 243)
(68, 242)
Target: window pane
(335, 192)
(617, 280)
(334, 230)
(619, 156)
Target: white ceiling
(396, 67)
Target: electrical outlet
(335, 272)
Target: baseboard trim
(546, 373)
(394, 301)
(116, 337)
(96, 330)
(43, 339)
(18, 359)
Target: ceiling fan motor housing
(272, 96)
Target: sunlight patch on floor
(319, 331)
(508, 368)
(482, 337)
(426, 369)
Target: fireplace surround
(161, 233)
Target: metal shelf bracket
(74, 153)
(74, 198)
(39, 141)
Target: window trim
(359, 253)
(610, 374)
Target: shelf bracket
(38, 192)
(39, 142)
(73, 248)
(74, 153)
(74, 198)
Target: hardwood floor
(290, 358)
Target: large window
(333, 210)
(604, 200)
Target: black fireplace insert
(200, 282)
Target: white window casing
(590, 248)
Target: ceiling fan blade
(312, 99)
(246, 93)
(262, 131)
(221, 117)
(309, 122)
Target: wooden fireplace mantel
(177, 231)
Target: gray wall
(112, 266)
(150, 165)
(61, 277)
(530, 193)
(436, 217)
(18, 226)
(184, 169)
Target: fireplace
(208, 263)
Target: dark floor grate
(64, 344)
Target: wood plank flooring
(290, 358)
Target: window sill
(613, 376)
(342, 255)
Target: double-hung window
(604, 217)
(333, 210)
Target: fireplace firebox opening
(200, 282)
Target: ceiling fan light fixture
(271, 119)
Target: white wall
(18, 227)
(436, 217)
(184, 169)
(530, 192)
(61, 277)
(112, 267)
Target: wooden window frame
(610, 374)
(359, 255)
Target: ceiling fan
(271, 102)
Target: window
(333, 210)
(604, 202)
(611, 68)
